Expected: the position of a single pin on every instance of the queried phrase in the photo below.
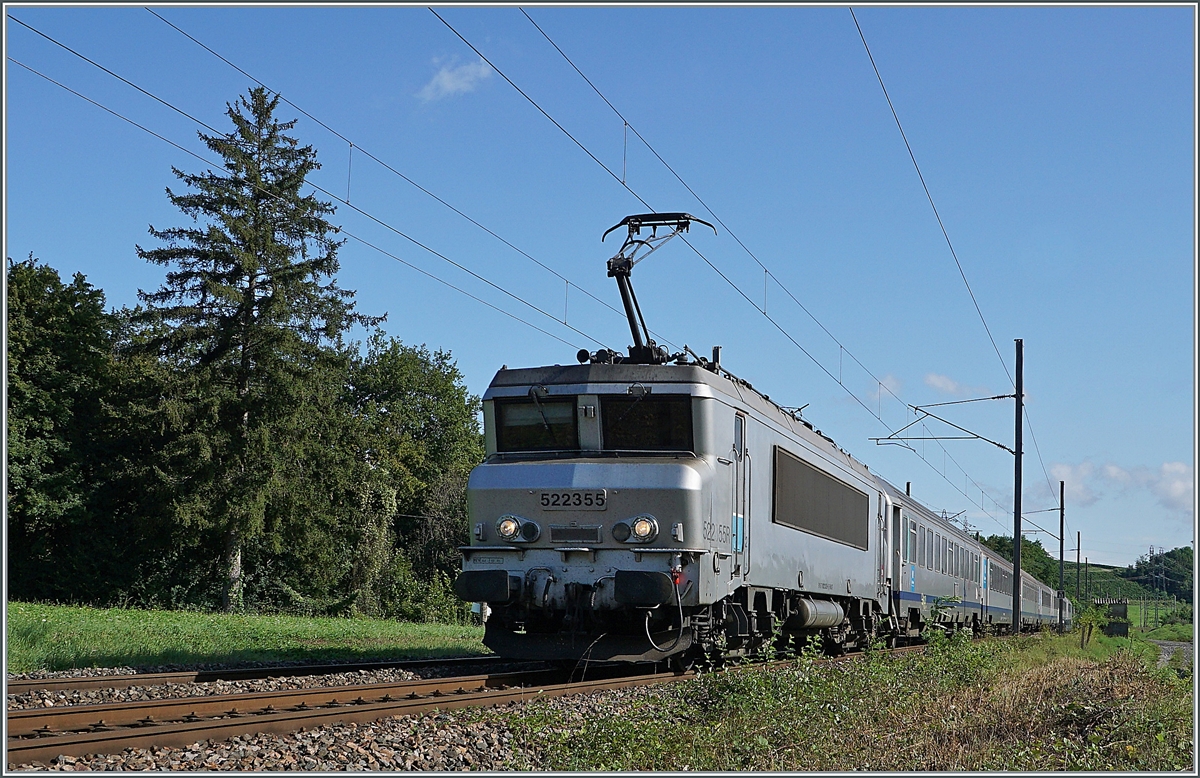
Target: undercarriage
(753, 622)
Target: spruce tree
(252, 322)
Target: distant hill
(1163, 575)
(1169, 572)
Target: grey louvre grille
(810, 500)
(587, 534)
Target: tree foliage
(1169, 572)
(253, 327)
(224, 444)
(58, 343)
(1035, 560)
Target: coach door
(899, 536)
(884, 574)
(741, 499)
(986, 589)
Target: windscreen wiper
(535, 392)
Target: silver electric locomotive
(649, 506)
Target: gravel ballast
(474, 739)
(459, 740)
(50, 699)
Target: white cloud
(1075, 478)
(947, 385)
(1118, 475)
(452, 80)
(1172, 483)
(889, 385)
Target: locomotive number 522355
(574, 500)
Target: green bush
(399, 594)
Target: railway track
(24, 686)
(41, 735)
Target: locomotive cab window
(646, 423)
(544, 425)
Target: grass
(1135, 614)
(55, 637)
(1181, 632)
(1035, 703)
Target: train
(648, 506)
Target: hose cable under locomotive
(679, 635)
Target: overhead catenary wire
(929, 196)
(949, 244)
(340, 230)
(523, 301)
(355, 146)
(326, 192)
(767, 272)
(707, 261)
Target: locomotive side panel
(814, 527)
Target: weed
(1031, 703)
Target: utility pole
(1016, 597)
(1079, 545)
(1087, 579)
(1061, 520)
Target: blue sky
(1057, 143)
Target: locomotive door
(740, 502)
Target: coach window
(928, 549)
(937, 553)
(912, 541)
(945, 553)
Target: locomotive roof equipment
(644, 350)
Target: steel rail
(46, 721)
(26, 685)
(45, 747)
(35, 735)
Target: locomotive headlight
(508, 527)
(644, 528)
